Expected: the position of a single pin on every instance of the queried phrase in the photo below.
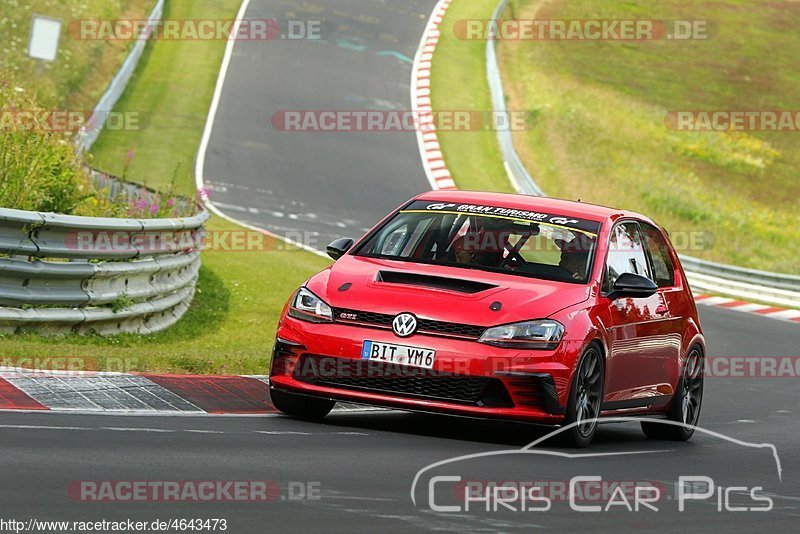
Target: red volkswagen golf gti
(498, 306)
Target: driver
(479, 248)
(462, 250)
(575, 255)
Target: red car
(498, 306)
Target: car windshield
(489, 238)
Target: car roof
(555, 206)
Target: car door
(673, 310)
(636, 327)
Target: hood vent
(436, 282)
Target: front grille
(424, 326)
(378, 377)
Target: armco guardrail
(88, 135)
(63, 273)
(749, 284)
(517, 173)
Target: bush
(38, 170)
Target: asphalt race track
(355, 470)
(361, 466)
(317, 186)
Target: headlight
(309, 307)
(543, 335)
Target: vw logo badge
(404, 324)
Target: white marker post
(43, 43)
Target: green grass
(171, 92)
(231, 324)
(80, 73)
(458, 82)
(598, 130)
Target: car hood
(451, 294)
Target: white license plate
(400, 354)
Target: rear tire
(301, 406)
(585, 397)
(686, 403)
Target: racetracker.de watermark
(197, 29)
(192, 491)
(733, 120)
(483, 492)
(158, 242)
(401, 120)
(69, 365)
(65, 120)
(582, 29)
(752, 367)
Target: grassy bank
(83, 68)
(39, 170)
(171, 91)
(597, 129)
(231, 323)
(458, 82)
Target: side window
(404, 239)
(625, 254)
(394, 241)
(663, 269)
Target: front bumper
(468, 378)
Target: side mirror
(338, 248)
(633, 285)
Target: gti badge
(404, 324)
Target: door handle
(662, 310)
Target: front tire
(301, 406)
(686, 403)
(586, 394)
